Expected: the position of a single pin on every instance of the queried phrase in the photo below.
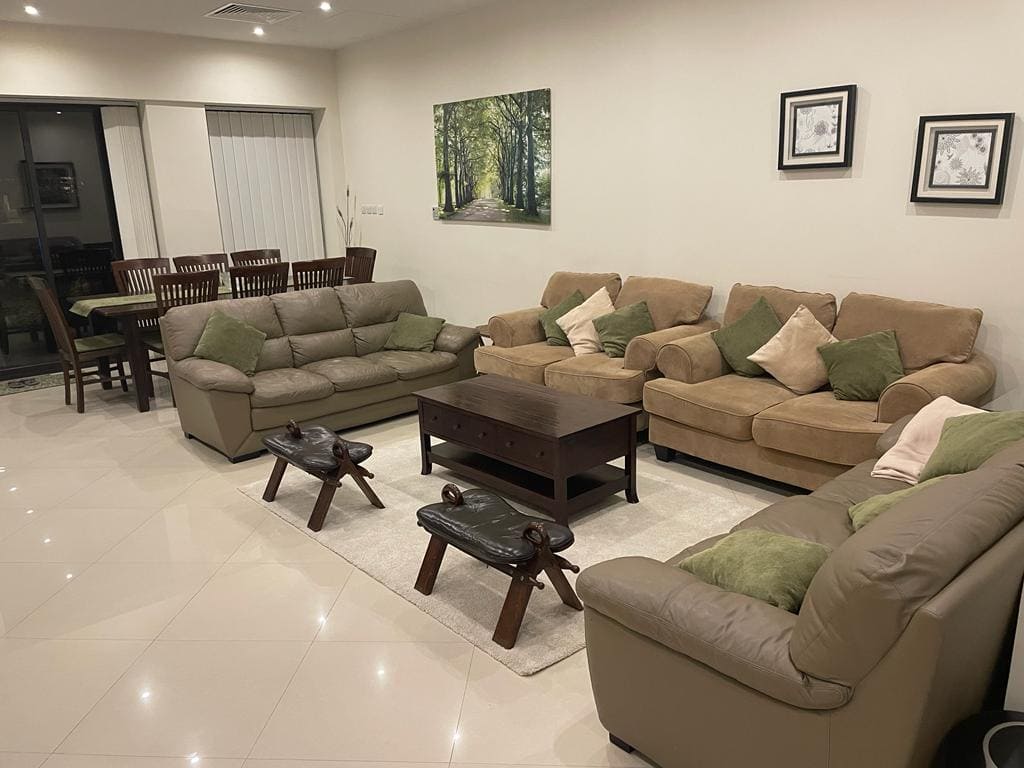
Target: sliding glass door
(57, 222)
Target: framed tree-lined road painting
(962, 158)
(494, 158)
(816, 128)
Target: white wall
(664, 132)
(173, 78)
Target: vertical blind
(268, 192)
(122, 135)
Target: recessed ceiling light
(31, 10)
(325, 6)
(59, 112)
(258, 31)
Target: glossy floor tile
(26, 586)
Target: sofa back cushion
(374, 303)
(670, 302)
(312, 311)
(782, 300)
(182, 327)
(561, 285)
(927, 333)
(371, 338)
(865, 595)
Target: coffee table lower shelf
(582, 490)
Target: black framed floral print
(962, 158)
(816, 128)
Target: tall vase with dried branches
(347, 221)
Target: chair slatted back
(62, 332)
(359, 264)
(256, 256)
(135, 276)
(258, 280)
(320, 273)
(201, 262)
(182, 288)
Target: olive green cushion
(863, 513)
(555, 335)
(232, 342)
(99, 342)
(762, 564)
(861, 369)
(414, 333)
(968, 441)
(747, 335)
(618, 328)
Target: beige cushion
(578, 324)
(413, 365)
(670, 302)
(783, 300)
(288, 385)
(525, 362)
(820, 427)
(349, 373)
(597, 376)
(562, 284)
(725, 406)
(905, 460)
(791, 355)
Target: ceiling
(346, 22)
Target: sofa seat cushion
(599, 376)
(820, 427)
(413, 365)
(349, 373)
(526, 362)
(288, 385)
(724, 406)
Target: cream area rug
(388, 545)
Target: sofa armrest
(890, 437)
(455, 338)
(642, 351)
(513, 329)
(693, 359)
(208, 374)
(966, 382)
(738, 636)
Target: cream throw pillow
(905, 460)
(791, 355)
(578, 323)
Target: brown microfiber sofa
(702, 409)
(897, 638)
(520, 349)
(323, 361)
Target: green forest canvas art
(494, 158)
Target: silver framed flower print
(816, 128)
(962, 158)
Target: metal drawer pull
(509, 444)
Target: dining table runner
(85, 306)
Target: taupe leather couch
(323, 361)
(520, 349)
(702, 409)
(896, 641)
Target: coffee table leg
(631, 495)
(275, 479)
(426, 464)
(323, 504)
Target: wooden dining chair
(77, 355)
(135, 276)
(319, 273)
(176, 290)
(258, 280)
(359, 264)
(201, 262)
(257, 256)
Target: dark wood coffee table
(545, 448)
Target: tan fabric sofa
(896, 641)
(323, 360)
(702, 409)
(520, 349)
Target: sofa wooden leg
(616, 741)
(664, 453)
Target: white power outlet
(366, 209)
(380, 210)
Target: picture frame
(816, 128)
(57, 182)
(962, 158)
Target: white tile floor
(153, 617)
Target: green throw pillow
(768, 566)
(968, 441)
(414, 333)
(746, 336)
(860, 369)
(232, 342)
(863, 513)
(556, 336)
(618, 328)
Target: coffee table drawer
(497, 440)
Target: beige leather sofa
(520, 349)
(896, 641)
(702, 409)
(323, 361)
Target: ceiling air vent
(252, 14)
